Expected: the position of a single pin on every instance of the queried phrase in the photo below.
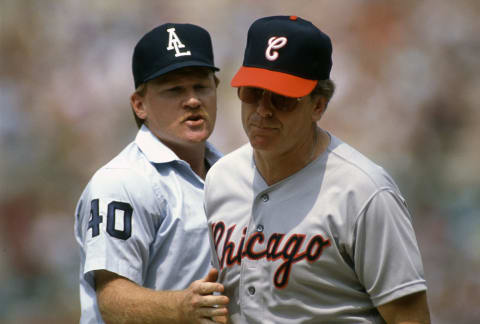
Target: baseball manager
(304, 228)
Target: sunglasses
(252, 96)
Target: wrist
(178, 298)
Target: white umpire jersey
(326, 245)
(141, 216)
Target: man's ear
(319, 107)
(138, 106)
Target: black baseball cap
(170, 47)
(286, 55)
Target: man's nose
(191, 100)
(265, 108)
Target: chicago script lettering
(230, 254)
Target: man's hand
(123, 301)
(200, 305)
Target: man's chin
(261, 142)
(197, 137)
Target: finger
(207, 288)
(212, 275)
(213, 301)
(211, 312)
(207, 320)
(220, 319)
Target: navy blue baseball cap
(286, 55)
(170, 47)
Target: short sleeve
(118, 224)
(387, 258)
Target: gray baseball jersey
(326, 245)
(141, 216)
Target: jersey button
(251, 290)
(260, 228)
(265, 197)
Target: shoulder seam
(358, 167)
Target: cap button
(293, 17)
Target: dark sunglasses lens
(249, 95)
(252, 95)
(283, 103)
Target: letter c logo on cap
(273, 44)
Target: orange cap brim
(278, 82)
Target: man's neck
(276, 167)
(194, 155)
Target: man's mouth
(262, 126)
(194, 120)
(262, 130)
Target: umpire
(140, 222)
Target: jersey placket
(254, 279)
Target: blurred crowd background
(408, 78)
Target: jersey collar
(157, 152)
